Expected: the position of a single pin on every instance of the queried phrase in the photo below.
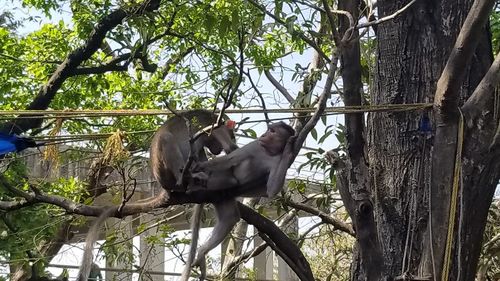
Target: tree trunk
(411, 53)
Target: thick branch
(301, 266)
(13, 205)
(291, 253)
(164, 199)
(483, 94)
(446, 137)
(354, 179)
(448, 86)
(72, 61)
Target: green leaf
(314, 134)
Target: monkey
(169, 151)
(170, 146)
(257, 169)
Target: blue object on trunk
(13, 143)
(425, 125)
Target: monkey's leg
(227, 216)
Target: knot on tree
(365, 208)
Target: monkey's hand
(198, 181)
(200, 178)
(290, 144)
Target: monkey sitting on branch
(171, 147)
(257, 169)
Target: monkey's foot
(180, 184)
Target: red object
(231, 124)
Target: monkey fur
(257, 169)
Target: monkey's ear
(231, 124)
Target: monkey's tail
(195, 232)
(92, 236)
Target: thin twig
(386, 18)
(262, 101)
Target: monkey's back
(171, 143)
(199, 118)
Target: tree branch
(333, 25)
(483, 94)
(338, 224)
(8, 206)
(290, 249)
(257, 91)
(285, 247)
(278, 86)
(354, 179)
(386, 18)
(112, 65)
(448, 86)
(302, 135)
(447, 115)
(234, 263)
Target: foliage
(489, 264)
(495, 28)
(330, 254)
(24, 232)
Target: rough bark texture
(412, 51)
(356, 188)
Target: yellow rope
(453, 200)
(93, 136)
(137, 112)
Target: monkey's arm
(277, 175)
(227, 162)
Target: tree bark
(412, 51)
(356, 190)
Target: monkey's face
(274, 139)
